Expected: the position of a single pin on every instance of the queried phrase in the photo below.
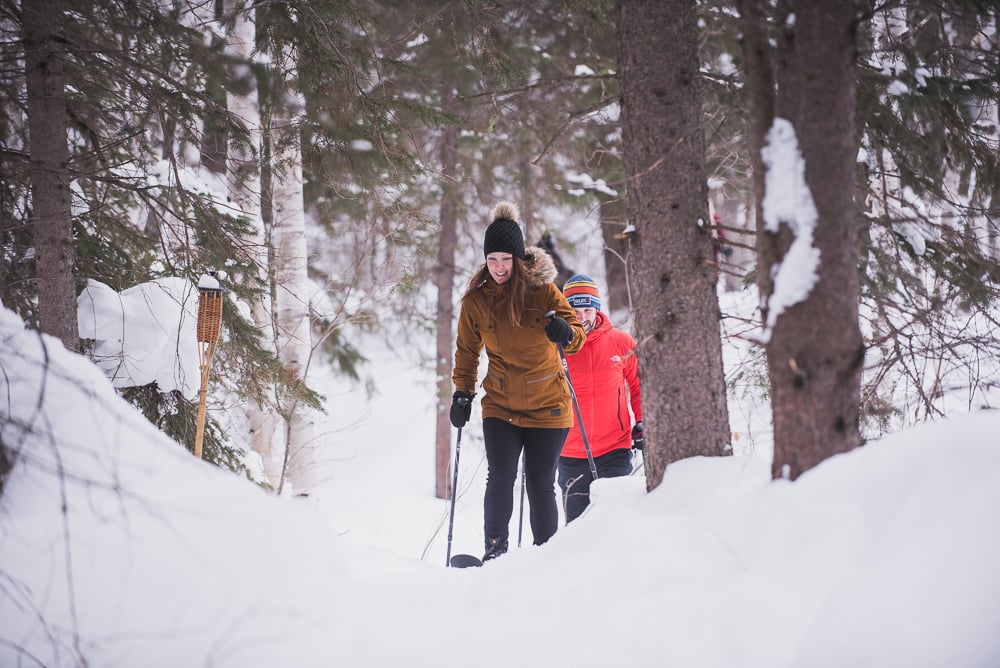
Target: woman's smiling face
(500, 265)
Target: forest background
(334, 162)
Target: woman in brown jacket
(526, 402)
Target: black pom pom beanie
(504, 234)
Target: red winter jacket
(606, 381)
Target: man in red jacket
(605, 378)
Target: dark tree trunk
(617, 256)
(759, 77)
(677, 310)
(814, 349)
(444, 280)
(52, 225)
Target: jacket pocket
(546, 391)
(543, 379)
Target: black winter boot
(494, 548)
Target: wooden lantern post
(209, 325)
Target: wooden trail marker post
(209, 326)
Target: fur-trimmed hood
(539, 268)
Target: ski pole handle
(549, 316)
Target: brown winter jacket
(525, 384)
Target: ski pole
(520, 519)
(576, 405)
(454, 492)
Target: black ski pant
(575, 477)
(504, 443)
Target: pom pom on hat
(582, 292)
(504, 234)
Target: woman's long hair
(517, 288)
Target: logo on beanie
(581, 292)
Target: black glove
(558, 330)
(638, 436)
(461, 409)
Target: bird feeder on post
(209, 325)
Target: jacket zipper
(539, 380)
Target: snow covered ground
(119, 549)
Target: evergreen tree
(52, 230)
(808, 243)
(928, 97)
(677, 318)
(135, 117)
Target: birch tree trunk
(677, 310)
(294, 341)
(267, 434)
(52, 222)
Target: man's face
(587, 317)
